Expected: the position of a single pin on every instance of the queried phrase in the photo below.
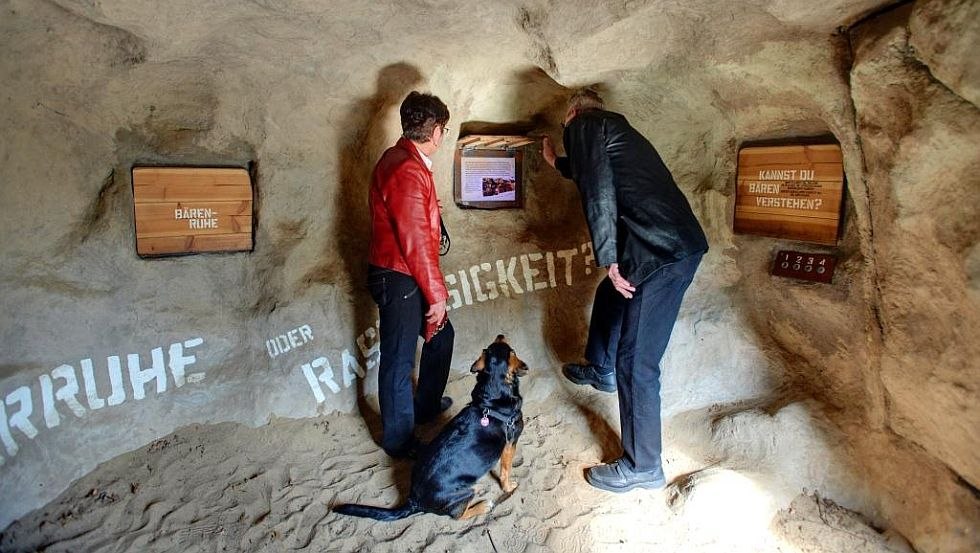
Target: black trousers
(631, 336)
(402, 311)
(604, 326)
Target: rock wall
(917, 133)
(871, 376)
(917, 122)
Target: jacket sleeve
(592, 171)
(408, 206)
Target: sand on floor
(228, 487)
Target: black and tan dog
(484, 431)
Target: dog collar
(509, 422)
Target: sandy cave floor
(228, 487)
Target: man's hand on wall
(619, 283)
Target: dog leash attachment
(485, 421)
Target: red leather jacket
(405, 219)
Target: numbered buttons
(806, 266)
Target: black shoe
(424, 418)
(618, 478)
(591, 375)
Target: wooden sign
(791, 192)
(817, 267)
(192, 210)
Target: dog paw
(509, 487)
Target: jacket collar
(414, 150)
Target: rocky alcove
(798, 416)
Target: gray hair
(585, 99)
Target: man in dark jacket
(644, 231)
(404, 276)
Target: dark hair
(421, 113)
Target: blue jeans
(402, 312)
(631, 336)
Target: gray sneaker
(597, 377)
(618, 478)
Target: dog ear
(480, 363)
(515, 365)
(522, 369)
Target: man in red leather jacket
(404, 277)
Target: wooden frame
(794, 192)
(490, 147)
(183, 210)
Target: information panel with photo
(488, 178)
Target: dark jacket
(405, 219)
(636, 214)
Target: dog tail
(378, 513)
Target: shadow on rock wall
(358, 151)
(551, 219)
